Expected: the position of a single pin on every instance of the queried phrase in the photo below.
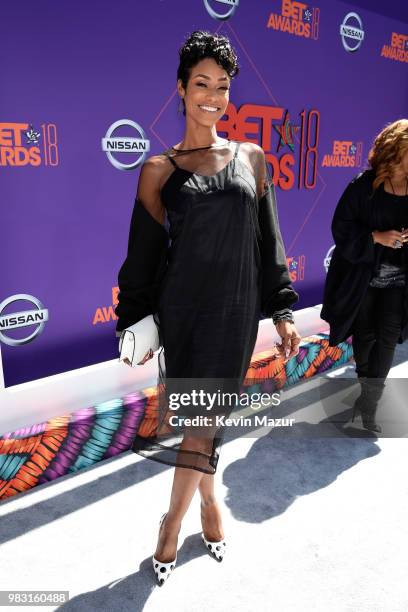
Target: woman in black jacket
(366, 287)
(225, 267)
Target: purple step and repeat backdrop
(88, 90)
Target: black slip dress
(226, 267)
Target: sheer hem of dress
(149, 448)
(163, 436)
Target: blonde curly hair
(388, 149)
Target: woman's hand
(291, 338)
(148, 356)
(391, 238)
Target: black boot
(371, 392)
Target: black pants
(376, 330)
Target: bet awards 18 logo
(291, 146)
(398, 49)
(104, 314)
(296, 267)
(297, 18)
(345, 154)
(21, 144)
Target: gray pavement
(312, 524)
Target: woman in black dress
(224, 269)
(366, 289)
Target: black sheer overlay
(206, 257)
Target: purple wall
(70, 71)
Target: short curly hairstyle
(389, 146)
(201, 44)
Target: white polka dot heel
(216, 549)
(163, 570)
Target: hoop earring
(180, 106)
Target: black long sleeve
(277, 291)
(140, 274)
(352, 237)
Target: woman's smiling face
(207, 94)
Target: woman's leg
(185, 483)
(376, 330)
(210, 511)
(364, 332)
(364, 340)
(389, 317)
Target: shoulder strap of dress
(169, 157)
(237, 143)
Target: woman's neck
(196, 136)
(188, 144)
(397, 185)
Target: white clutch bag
(136, 340)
